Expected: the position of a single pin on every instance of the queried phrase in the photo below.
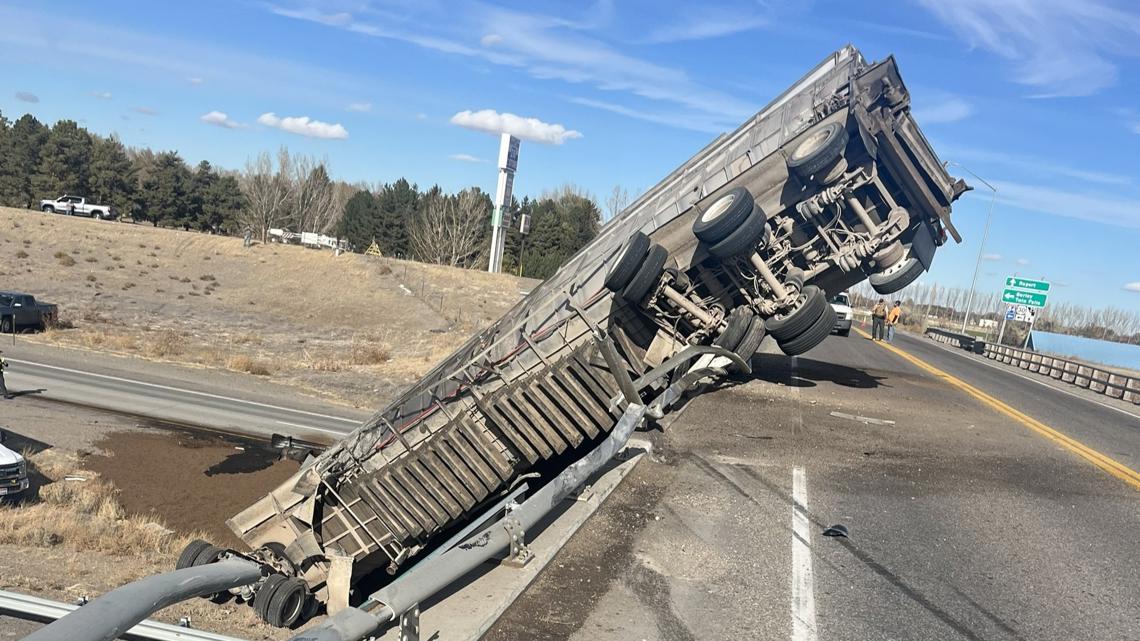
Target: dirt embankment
(352, 328)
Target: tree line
(293, 192)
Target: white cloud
(490, 40)
(466, 158)
(706, 25)
(1023, 261)
(532, 129)
(195, 80)
(946, 108)
(991, 257)
(146, 111)
(220, 119)
(1059, 48)
(27, 96)
(698, 122)
(421, 116)
(102, 95)
(304, 126)
(1108, 210)
(1031, 165)
(359, 107)
(1132, 287)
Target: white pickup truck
(13, 470)
(76, 206)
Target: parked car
(76, 206)
(13, 470)
(19, 311)
(843, 314)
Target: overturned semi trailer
(830, 184)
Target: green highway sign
(1013, 282)
(1029, 299)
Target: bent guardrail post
(432, 575)
(117, 611)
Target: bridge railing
(965, 341)
(1080, 374)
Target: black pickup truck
(18, 311)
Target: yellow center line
(1113, 467)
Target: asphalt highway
(971, 511)
(212, 400)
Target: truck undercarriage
(830, 184)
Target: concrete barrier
(1101, 381)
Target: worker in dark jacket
(3, 387)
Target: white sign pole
(500, 218)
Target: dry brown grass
(80, 514)
(369, 352)
(164, 344)
(247, 364)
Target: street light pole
(982, 246)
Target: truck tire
(812, 336)
(623, 269)
(819, 148)
(737, 322)
(723, 216)
(647, 276)
(748, 238)
(189, 553)
(97, 215)
(897, 276)
(748, 345)
(287, 603)
(264, 595)
(47, 209)
(810, 305)
(6, 325)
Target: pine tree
(201, 183)
(19, 159)
(111, 179)
(361, 222)
(165, 191)
(65, 160)
(221, 205)
(398, 204)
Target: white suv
(843, 314)
(13, 470)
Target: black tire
(723, 216)
(48, 209)
(739, 319)
(748, 345)
(287, 603)
(817, 150)
(189, 553)
(810, 305)
(97, 215)
(745, 239)
(264, 595)
(814, 335)
(207, 555)
(6, 325)
(897, 276)
(623, 269)
(647, 276)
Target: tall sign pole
(500, 219)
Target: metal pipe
(432, 575)
(684, 303)
(117, 611)
(982, 246)
(864, 217)
(776, 286)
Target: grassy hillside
(355, 327)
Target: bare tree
(447, 230)
(266, 194)
(312, 203)
(618, 200)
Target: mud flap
(339, 582)
(923, 246)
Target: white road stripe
(187, 391)
(803, 589)
(310, 427)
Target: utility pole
(500, 219)
(982, 246)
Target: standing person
(878, 320)
(70, 207)
(3, 388)
(892, 320)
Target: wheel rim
(813, 142)
(718, 208)
(291, 609)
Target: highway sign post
(1024, 296)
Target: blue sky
(1039, 98)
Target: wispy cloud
(991, 257)
(942, 108)
(101, 95)
(1132, 287)
(1029, 164)
(27, 96)
(533, 129)
(1057, 47)
(490, 40)
(220, 119)
(706, 23)
(146, 111)
(304, 126)
(1113, 211)
(680, 121)
(359, 107)
(195, 80)
(466, 158)
(1023, 261)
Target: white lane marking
(803, 590)
(310, 427)
(1007, 370)
(186, 391)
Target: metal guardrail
(1126, 388)
(1089, 377)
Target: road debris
(863, 419)
(836, 530)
